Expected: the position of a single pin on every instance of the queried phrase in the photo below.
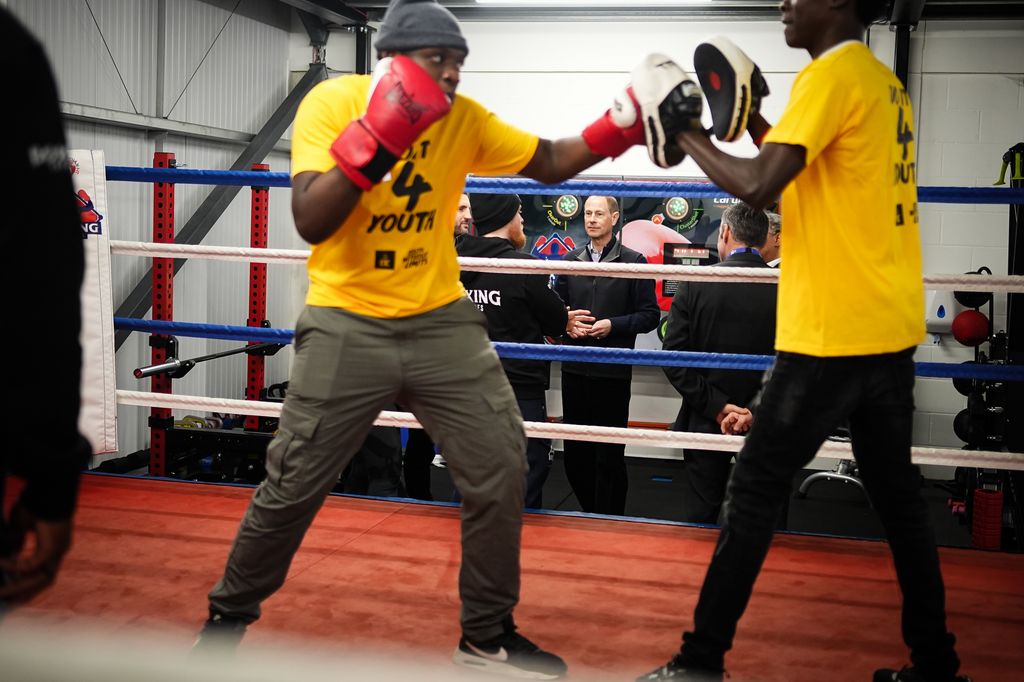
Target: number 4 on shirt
(402, 187)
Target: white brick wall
(969, 83)
(973, 228)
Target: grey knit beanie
(414, 24)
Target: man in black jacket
(519, 309)
(720, 317)
(598, 393)
(772, 249)
(46, 450)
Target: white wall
(966, 82)
(231, 71)
(556, 89)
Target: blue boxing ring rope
(654, 358)
(532, 351)
(699, 190)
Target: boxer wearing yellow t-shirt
(850, 312)
(378, 166)
(393, 255)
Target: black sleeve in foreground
(50, 452)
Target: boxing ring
(254, 333)
(609, 595)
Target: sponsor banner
(98, 418)
(554, 224)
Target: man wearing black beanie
(377, 168)
(519, 309)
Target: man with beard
(463, 216)
(420, 453)
(519, 309)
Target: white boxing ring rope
(603, 434)
(987, 459)
(695, 273)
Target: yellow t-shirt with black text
(394, 255)
(851, 279)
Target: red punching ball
(970, 328)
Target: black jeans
(596, 471)
(803, 402)
(705, 475)
(416, 464)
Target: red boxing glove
(618, 129)
(405, 102)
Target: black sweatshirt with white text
(519, 309)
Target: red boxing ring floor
(609, 596)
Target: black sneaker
(220, 633)
(908, 674)
(677, 669)
(512, 655)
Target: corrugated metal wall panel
(128, 29)
(104, 57)
(223, 69)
